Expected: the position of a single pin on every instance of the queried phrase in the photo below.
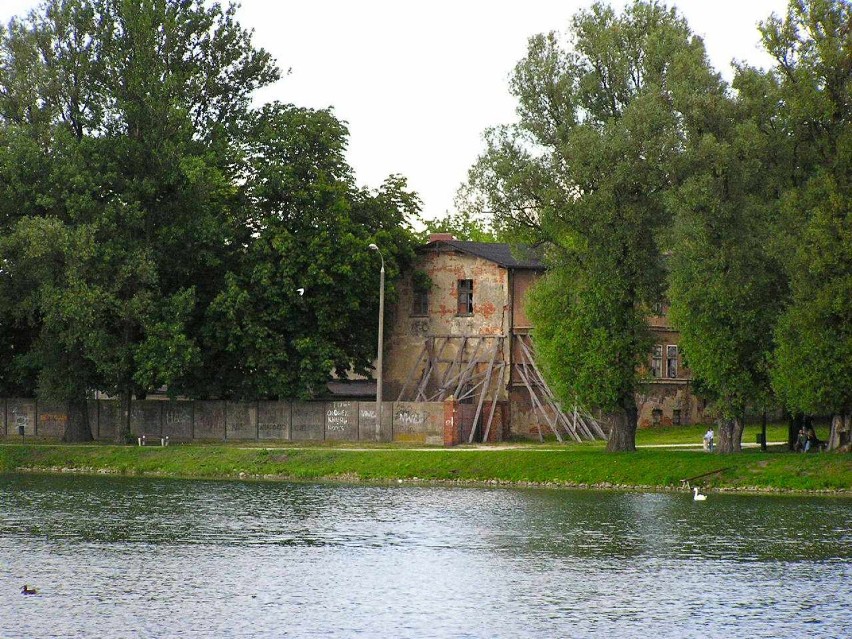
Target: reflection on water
(157, 558)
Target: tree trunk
(622, 435)
(122, 430)
(730, 435)
(841, 433)
(78, 429)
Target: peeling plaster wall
(499, 309)
(667, 398)
(491, 313)
(522, 280)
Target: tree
(463, 225)
(134, 111)
(311, 229)
(724, 287)
(812, 366)
(583, 174)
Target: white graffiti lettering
(410, 419)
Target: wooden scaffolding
(472, 369)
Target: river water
(119, 557)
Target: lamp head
(300, 291)
(373, 247)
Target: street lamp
(375, 248)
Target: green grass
(695, 434)
(549, 464)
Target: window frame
(464, 297)
(419, 302)
(657, 361)
(672, 370)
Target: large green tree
(156, 227)
(125, 119)
(583, 174)
(812, 370)
(301, 301)
(725, 288)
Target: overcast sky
(418, 82)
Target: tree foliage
(583, 174)
(155, 226)
(812, 370)
(725, 288)
(463, 225)
(311, 229)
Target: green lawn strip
(569, 465)
(695, 434)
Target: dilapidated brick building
(460, 330)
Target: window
(671, 360)
(465, 306)
(420, 301)
(657, 309)
(676, 417)
(657, 361)
(656, 416)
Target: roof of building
(352, 388)
(506, 255)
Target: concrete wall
(185, 421)
(21, 416)
(418, 422)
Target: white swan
(696, 496)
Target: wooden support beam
(493, 405)
(469, 369)
(456, 361)
(525, 377)
(486, 384)
(410, 377)
(427, 371)
(589, 426)
(537, 403)
(464, 374)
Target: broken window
(671, 360)
(465, 306)
(657, 361)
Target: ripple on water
(156, 558)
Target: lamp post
(375, 248)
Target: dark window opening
(671, 361)
(676, 417)
(656, 416)
(420, 302)
(465, 305)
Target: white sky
(419, 81)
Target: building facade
(460, 331)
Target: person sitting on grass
(811, 443)
(801, 441)
(708, 440)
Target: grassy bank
(582, 465)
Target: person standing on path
(708, 440)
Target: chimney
(440, 237)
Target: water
(155, 558)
